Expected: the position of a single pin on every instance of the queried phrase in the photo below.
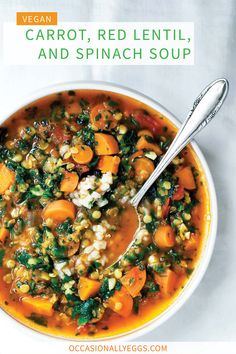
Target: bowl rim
(208, 248)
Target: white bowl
(209, 240)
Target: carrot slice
(186, 177)
(101, 118)
(87, 288)
(179, 193)
(105, 144)
(7, 178)
(73, 108)
(109, 164)
(69, 182)
(192, 243)
(143, 169)
(38, 305)
(121, 302)
(134, 280)
(59, 210)
(135, 155)
(84, 154)
(196, 214)
(164, 236)
(143, 143)
(4, 233)
(147, 122)
(167, 281)
(145, 132)
(165, 208)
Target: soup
(69, 165)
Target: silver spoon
(205, 107)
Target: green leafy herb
(71, 93)
(83, 118)
(65, 228)
(86, 310)
(40, 320)
(87, 135)
(93, 267)
(23, 144)
(104, 290)
(136, 304)
(158, 268)
(94, 162)
(174, 255)
(112, 103)
(153, 288)
(58, 252)
(128, 142)
(98, 117)
(30, 262)
(2, 253)
(57, 110)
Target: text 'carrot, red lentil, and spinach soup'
(69, 165)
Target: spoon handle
(205, 107)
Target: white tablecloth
(211, 312)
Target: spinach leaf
(128, 142)
(87, 135)
(174, 256)
(30, 262)
(40, 320)
(2, 252)
(57, 110)
(65, 228)
(86, 310)
(83, 119)
(104, 292)
(93, 267)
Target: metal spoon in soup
(205, 107)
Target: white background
(210, 314)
